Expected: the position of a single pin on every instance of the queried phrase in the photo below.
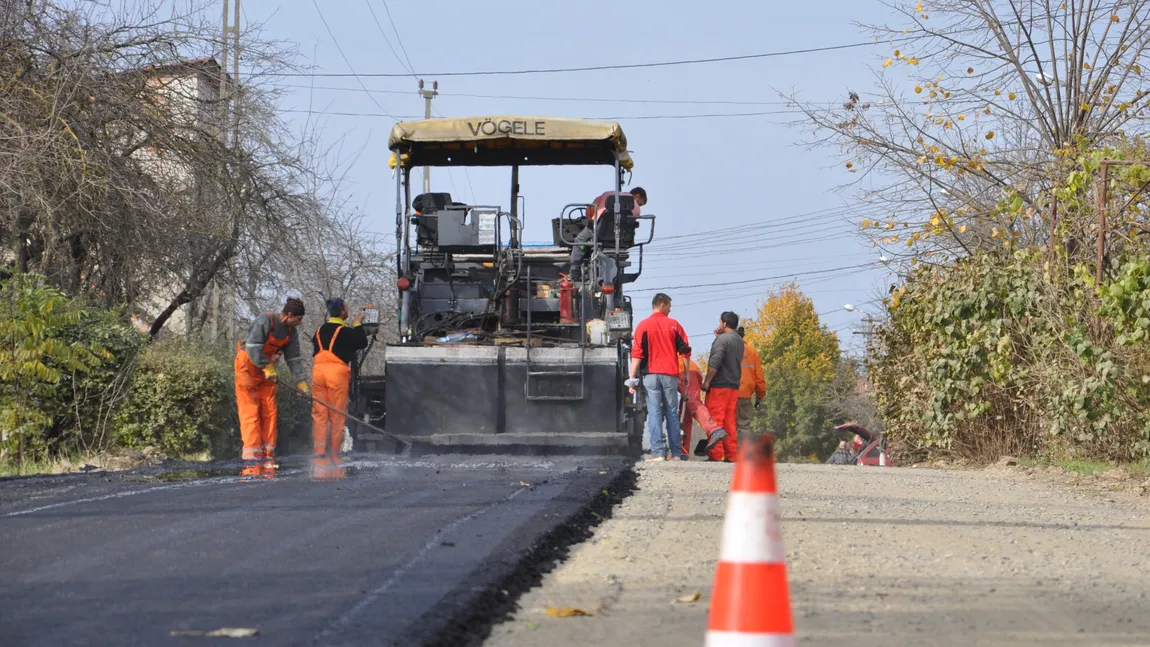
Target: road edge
(498, 598)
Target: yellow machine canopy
(507, 141)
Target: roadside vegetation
(145, 218)
(1020, 317)
(810, 389)
(78, 383)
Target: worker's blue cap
(335, 306)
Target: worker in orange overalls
(268, 339)
(752, 385)
(334, 347)
(693, 408)
(724, 372)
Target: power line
(398, 38)
(726, 291)
(784, 241)
(597, 68)
(408, 67)
(335, 41)
(702, 116)
(757, 280)
(729, 297)
(742, 238)
(710, 233)
(698, 102)
(609, 118)
(773, 264)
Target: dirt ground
(875, 557)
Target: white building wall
(191, 97)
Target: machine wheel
(637, 426)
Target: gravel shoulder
(875, 557)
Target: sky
(742, 204)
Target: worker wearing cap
(693, 408)
(751, 385)
(594, 212)
(268, 339)
(334, 347)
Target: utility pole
(235, 96)
(427, 95)
(869, 332)
(225, 95)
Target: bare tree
(997, 98)
(117, 175)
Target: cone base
(738, 639)
(751, 598)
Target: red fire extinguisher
(566, 300)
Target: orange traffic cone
(750, 600)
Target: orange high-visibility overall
(331, 381)
(256, 399)
(723, 405)
(693, 406)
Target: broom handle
(345, 414)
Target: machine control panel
(619, 321)
(370, 320)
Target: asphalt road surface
(392, 554)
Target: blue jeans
(663, 404)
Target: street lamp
(869, 332)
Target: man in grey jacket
(268, 339)
(724, 372)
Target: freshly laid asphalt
(400, 552)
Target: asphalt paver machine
(502, 348)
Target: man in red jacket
(594, 212)
(658, 343)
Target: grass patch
(26, 468)
(111, 461)
(1087, 468)
(1138, 470)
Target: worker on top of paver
(267, 340)
(334, 347)
(598, 208)
(752, 385)
(694, 408)
(724, 373)
(659, 341)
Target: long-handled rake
(404, 441)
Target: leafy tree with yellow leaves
(800, 357)
(965, 137)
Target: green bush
(77, 379)
(294, 421)
(181, 401)
(992, 355)
(55, 356)
(84, 412)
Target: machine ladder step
(528, 393)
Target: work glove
(270, 371)
(302, 386)
(758, 403)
